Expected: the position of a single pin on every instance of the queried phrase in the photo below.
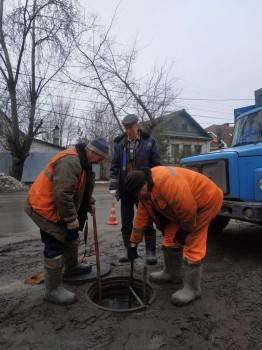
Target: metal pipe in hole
(135, 295)
(130, 283)
(144, 284)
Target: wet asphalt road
(17, 226)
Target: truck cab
(237, 170)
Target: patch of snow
(10, 184)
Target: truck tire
(218, 224)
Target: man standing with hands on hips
(133, 150)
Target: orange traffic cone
(112, 218)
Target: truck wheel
(218, 224)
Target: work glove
(113, 193)
(73, 225)
(132, 252)
(180, 236)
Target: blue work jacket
(146, 155)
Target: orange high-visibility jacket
(180, 195)
(41, 196)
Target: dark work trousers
(54, 247)
(128, 204)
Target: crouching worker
(182, 203)
(58, 202)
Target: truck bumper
(245, 211)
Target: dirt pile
(10, 184)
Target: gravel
(10, 184)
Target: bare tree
(158, 93)
(62, 114)
(110, 71)
(91, 75)
(35, 45)
(151, 95)
(102, 123)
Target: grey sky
(215, 45)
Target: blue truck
(237, 170)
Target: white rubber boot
(192, 289)
(54, 291)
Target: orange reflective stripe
(48, 174)
(137, 230)
(171, 170)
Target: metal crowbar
(99, 280)
(131, 284)
(85, 230)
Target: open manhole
(118, 296)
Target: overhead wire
(85, 111)
(89, 119)
(74, 98)
(218, 99)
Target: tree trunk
(17, 168)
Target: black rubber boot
(150, 241)
(172, 271)
(72, 266)
(54, 291)
(124, 257)
(192, 289)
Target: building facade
(182, 135)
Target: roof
(224, 131)
(163, 120)
(8, 120)
(48, 144)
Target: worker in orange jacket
(182, 203)
(58, 202)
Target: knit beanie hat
(135, 181)
(99, 146)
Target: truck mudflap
(246, 211)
